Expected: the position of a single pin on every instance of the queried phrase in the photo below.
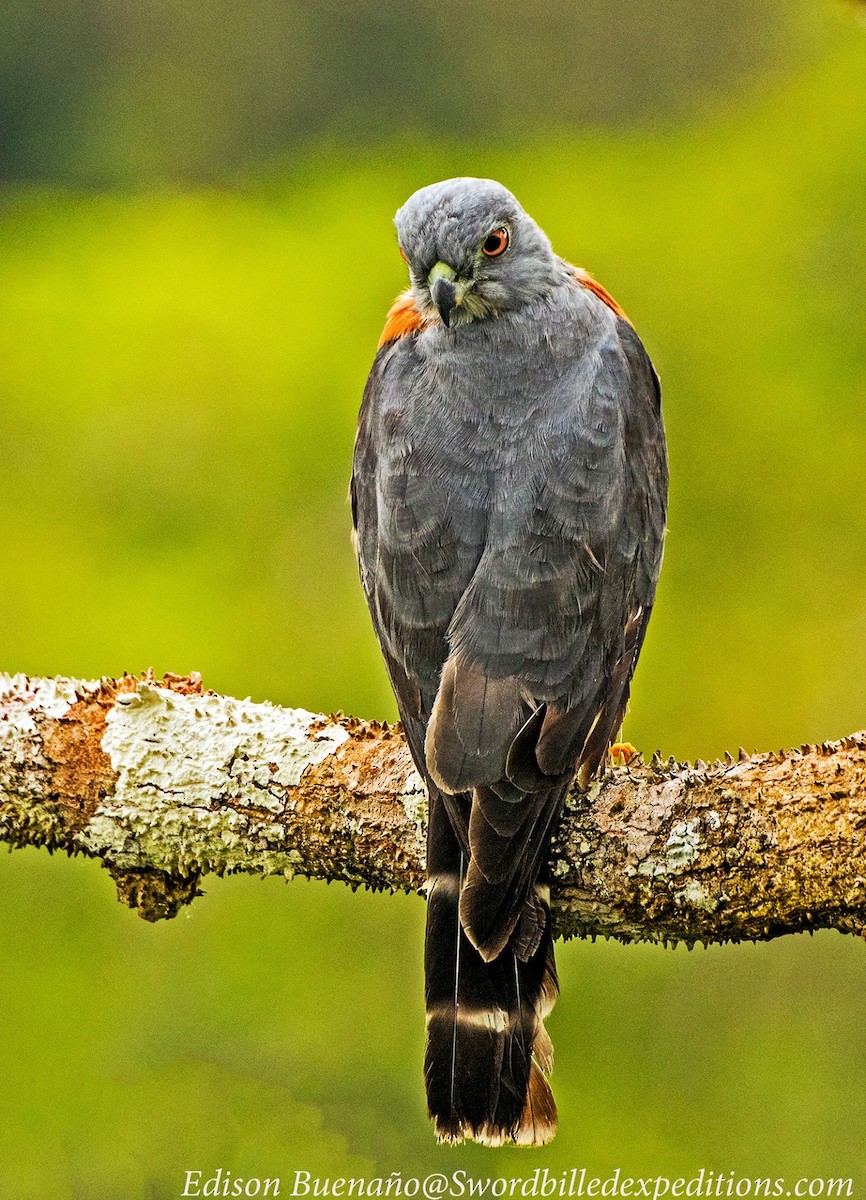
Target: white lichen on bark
(35, 698)
(414, 800)
(180, 758)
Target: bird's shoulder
(404, 319)
(580, 278)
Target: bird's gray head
(472, 250)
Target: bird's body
(508, 496)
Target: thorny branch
(164, 782)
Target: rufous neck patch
(592, 285)
(403, 318)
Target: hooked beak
(443, 290)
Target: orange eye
(402, 254)
(496, 242)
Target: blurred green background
(196, 256)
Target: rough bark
(164, 782)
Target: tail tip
(535, 1127)
(528, 1133)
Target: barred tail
(488, 1052)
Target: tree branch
(163, 782)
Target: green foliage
(143, 91)
(180, 379)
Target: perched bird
(508, 496)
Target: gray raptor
(508, 496)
